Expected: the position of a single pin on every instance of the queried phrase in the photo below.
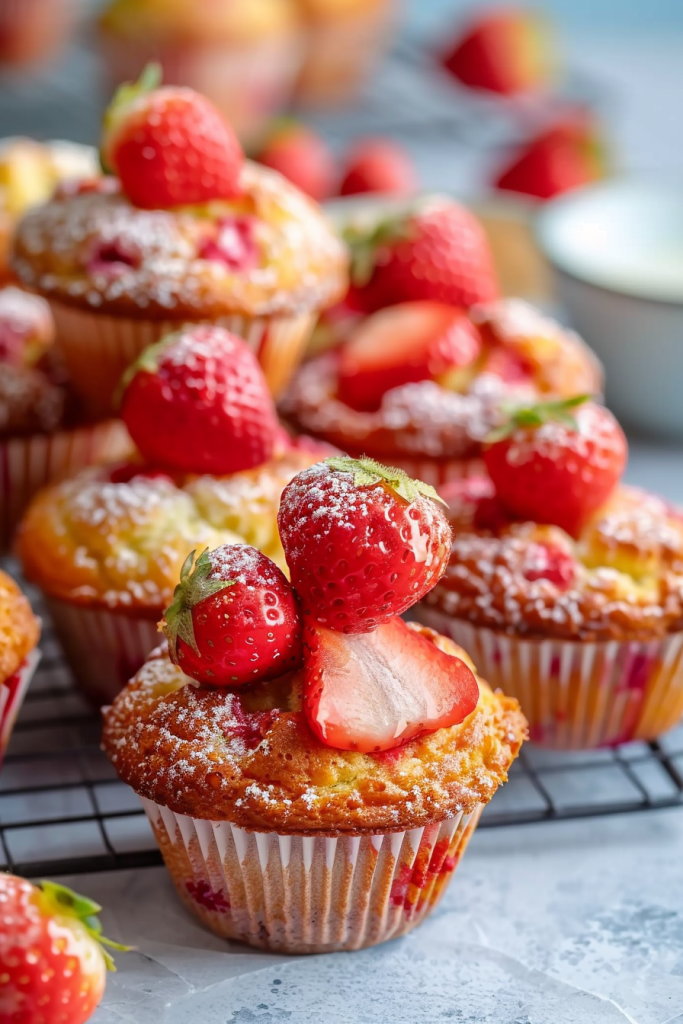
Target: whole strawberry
(376, 691)
(301, 156)
(379, 165)
(437, 252)
(565, 156)
(197, 402)
(363, 542)
(557, 462)
(234, 618)
(169, 146)
(52, 957)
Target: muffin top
(32, 396)
(268, 251)
(19, 628)
(523, 355)
(234, 21)
(30, 170)
(117, 536)
(250, 757)
(621, 578)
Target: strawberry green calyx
(56, 900)
(123, 99)
(195, 586)
(367, 472)
(364, 243)
(148, 360)
(537, 415)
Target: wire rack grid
(63, 810)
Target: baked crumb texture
(19, 628)
(443, 426)
(249, 758)
(96, 251)
(120, 546)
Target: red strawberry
(473, 502)
(52, 956)
(234, 244)
(509, 365)
(301, 156)
(234, 618)
(504, 51)
(197, 402)
(550, 466)
(550, 562)
(375, 691)
(379, 165)
(436, 252)
(170, 146)
(410, 342)
(561, 158)
(363, 542)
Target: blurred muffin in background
(244, 55)
(29, 173)
(346, 39)
(33, 30)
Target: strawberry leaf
(195, 586)
(148, 360)
(532, 416)
(58, 900)
(365, 243)
(125, 95)
(367, 472)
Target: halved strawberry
(409, 342)
(375, 691)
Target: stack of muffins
(312, 765)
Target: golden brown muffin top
(450, 421)
(622, 579)
(19, 628)
(187, 21)
(120, 544)
(249, 757)
(268, 251)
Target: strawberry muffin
(313, 766)
(245, 55)
(43, 434)
(29, 174)
(188, 232)
(421, 384)
(566, 586)
(106, 545)
(19, 634)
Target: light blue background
(571, 15)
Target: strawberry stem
(367, 472)
(538, 414)
(195, 586)
(60, 900)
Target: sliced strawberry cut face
(375, 691)
(403, 344)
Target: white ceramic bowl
(616, 250)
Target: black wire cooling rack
(63, 811)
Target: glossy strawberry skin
(376, 691)
(379, 166)
(246, 632)
(359, 555)
(561, 158)
(444, 257)
(202, 406)
(505, 52)
(51, 970)
(557, 474)
(409, 342)
(172, 147)
(303, 158)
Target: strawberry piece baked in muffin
(19, 634)
(566, 585)
(43, 432)
(421, 384)
(188, 231)
(312, 765)
(106, 546)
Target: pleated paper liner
(104, 649)
(29, 463)
(578, 695)
(12, 693)
(308, 894)
(98, 348)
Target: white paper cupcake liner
(29, 463)
(12, 693)
(576, 694)
(104, 649)
(308, 894)
(97, 348)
